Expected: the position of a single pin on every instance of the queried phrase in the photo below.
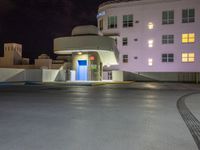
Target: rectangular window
(112, 22)
(167, 39)
(188, 15)
(125, 41)
(188, 57)
(167, 57)
(168, 17)
(101, 24)
(127, 21)
(188, 38)
(125, 58)
(110, 75)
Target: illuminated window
(188, 38)
(167, 39)
(150, 43)
(112, 22)
(125, 41)
(188, 15)
(101, 24)
(127, 21)
(188, 57)
(150, 25)
(167, 57)
(150, 62)
(125, 58)
(168, 17)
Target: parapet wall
(35, 75)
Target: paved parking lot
(138, 116)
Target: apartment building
(153, 36)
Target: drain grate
(190, 120)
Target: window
(127, 21)
(168, 17)
(167, 57)
(150, 43)
(188, 15)
(167, 39)
(115, 40)
(101, 24)
(188, 38)
(150, 25)
(150, 62)
(125, 41)
(188, 57)
(125, 58)
(112, 22)
(109, 75)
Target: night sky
(35, 23)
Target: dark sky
(35, 23)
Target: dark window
(167, 57)
(127, 21)
(101, 24)
(112, 22)
(168, 17)
(167, 39)
(125, 58)
(125, 41)
(109, 75)
(188, 15)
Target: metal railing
(115, 1)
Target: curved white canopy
(104, 46)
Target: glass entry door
(82, 70)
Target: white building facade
(154, 35)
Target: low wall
(167, 76)
(36, 75)
(7, 75)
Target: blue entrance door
(82, 72)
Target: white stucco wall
(49, 75)
(35, 75)
(7, 75)
(146, 11)
(117, 76)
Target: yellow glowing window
(191, 60)
(188, 57)
(184, 38)
(188, 38)
(191, 38)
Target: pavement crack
(190, 120)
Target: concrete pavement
(139, 116)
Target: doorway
(82, 70)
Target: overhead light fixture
(150, 25)
(150, 62)
(150, 43)
(79, 53)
